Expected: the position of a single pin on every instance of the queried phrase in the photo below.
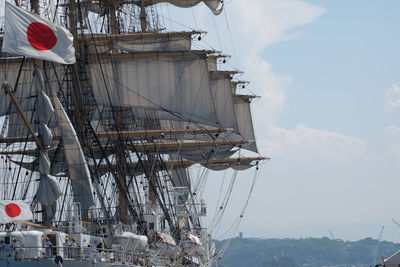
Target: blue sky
(328, 117)
(341, 65)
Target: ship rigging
(102, 149)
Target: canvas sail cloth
(160, 42)
(25, 91)
(245, 122)
(175, 88)
(14, 211)
(77, 166)
(226, 114)
(212, 4)
(49, 188)
(28, 34)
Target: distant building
(240, 235)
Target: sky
(329, 115)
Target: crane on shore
(376, 249)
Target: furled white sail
(78, 169)
(177, 88)
(49, 188)
(167, 42)
(203, 156)
(212, 4)
(221, 167)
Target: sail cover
(77, 166)
(175, 87)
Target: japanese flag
(27, 34)
(14, 211)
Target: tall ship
(103, 123)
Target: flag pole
(39, 226)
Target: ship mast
(120, 148)
(143, 15)
(153, 177)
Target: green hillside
(304, 252)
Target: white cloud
(251, 26)
(261, 23)
(306, 143)
(392, 98)
(394, 150)
(320, 176)
(268, 22)
(393, 130)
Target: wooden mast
(152, 175)
(121, 159)
(143, 15)
(119, 149)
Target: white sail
(77, 166)
(245, 123)
(212, 4)
(142, 42)
(151, 107)
(175, 87)
(223, 99)
(49, 188)
(24, 92)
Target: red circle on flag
(40, 36)
(12, 210)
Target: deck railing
(70, 253)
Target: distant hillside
(312, 252)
